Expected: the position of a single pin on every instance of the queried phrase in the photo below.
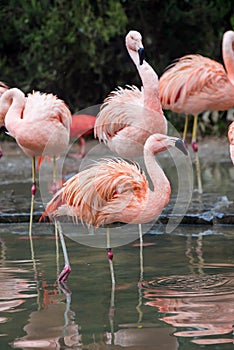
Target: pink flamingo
(231, 140)
(195, 83)
(3, 88)
(40, 124)
(114, 190)
(129, 116)
(82, 125)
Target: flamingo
(231, 140)
(129, 116)
(195, 83)
(82, 125)
(113, 190)
(40, 124)
(3, 88)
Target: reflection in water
(137, 336)
(202, 303)
(52, 326)
(16, 290)
(192, 303)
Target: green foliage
(58, 45)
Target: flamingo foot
(63, 276)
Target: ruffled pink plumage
(195, 83)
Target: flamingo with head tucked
(40, 124)
(82, 125)
(195, 83)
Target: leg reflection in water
(52, 325)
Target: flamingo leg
(110, 255)
(185, 127)
(138, 307)
(33, 191)
(141, 253)
(195, 148)
(67, 269)
(54, 190)
(82, 147)
(1, 153)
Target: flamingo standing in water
(231, 140)
(114, 190)
(40, 123)
(195, 84)
(129, 116)
(3, 88)
(82, 125)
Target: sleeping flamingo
(82, 125)
(113, 190)
(231, 140)
(195, 83)
(40, 124)
(3, 88)
(129, 116)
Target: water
(180, 296)
(175, 293)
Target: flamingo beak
(181, 146)
(141, 53)
(3, 130)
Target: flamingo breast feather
(120, 109)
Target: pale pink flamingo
(231, 140)
(195, 83)
(40, 124)
(129, 116)
(3, 88)
(82, 125)
(114, 190)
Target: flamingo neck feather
(156, 174)
(13, 102)
(228, 54)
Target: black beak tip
(3, 130)
(141, 53)
(181, 146)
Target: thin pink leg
(63, 276)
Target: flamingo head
(134, 43)
(158, 143)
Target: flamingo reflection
(15, 289)
(203, 304)
(52, 326)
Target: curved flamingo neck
(149, 80)
(12, 103)
(228, 54)
(159, 180)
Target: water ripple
(203, 305)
